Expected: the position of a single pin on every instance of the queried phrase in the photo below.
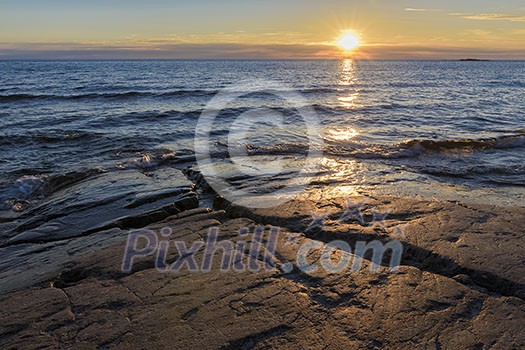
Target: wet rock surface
(459, 286)
(123, 199)
(85, 215)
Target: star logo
(317, 221)
(399, 231)
(379, 218)
(293, 238)
(353, 212)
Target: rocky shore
(460, 284)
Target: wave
(506, 84)
(417, 147)
(193, 93)
(319, 90)
(20, 97)
(421, 84)
(143, 94)
(35, 185)
(105, 95)
(470, 170)
(278, 149)
(30, 188)
(406, 149)
(46, 137)
(512, 175)
(501, 142)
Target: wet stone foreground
(460, 284)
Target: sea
(446, 130)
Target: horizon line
(471, 59)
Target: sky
(301, 29)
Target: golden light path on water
(344, 172)
(348, 101)
(347, 72)
(341, 133)
(347, 79)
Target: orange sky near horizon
(406, 29)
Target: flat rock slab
(26, 264)
(93, 303)
(85, 216)
(485, 243)
(124, 199)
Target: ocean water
(440, 129)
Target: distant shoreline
(473, 60)
(248, 59)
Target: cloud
(243, 51)
(421, 10)
(412, 51)
(164, 50)
(491, 17)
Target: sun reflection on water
(348, 101)
(348, 80)
(347, 72)
(344, 178)
(341, 134)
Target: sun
(348, 41)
